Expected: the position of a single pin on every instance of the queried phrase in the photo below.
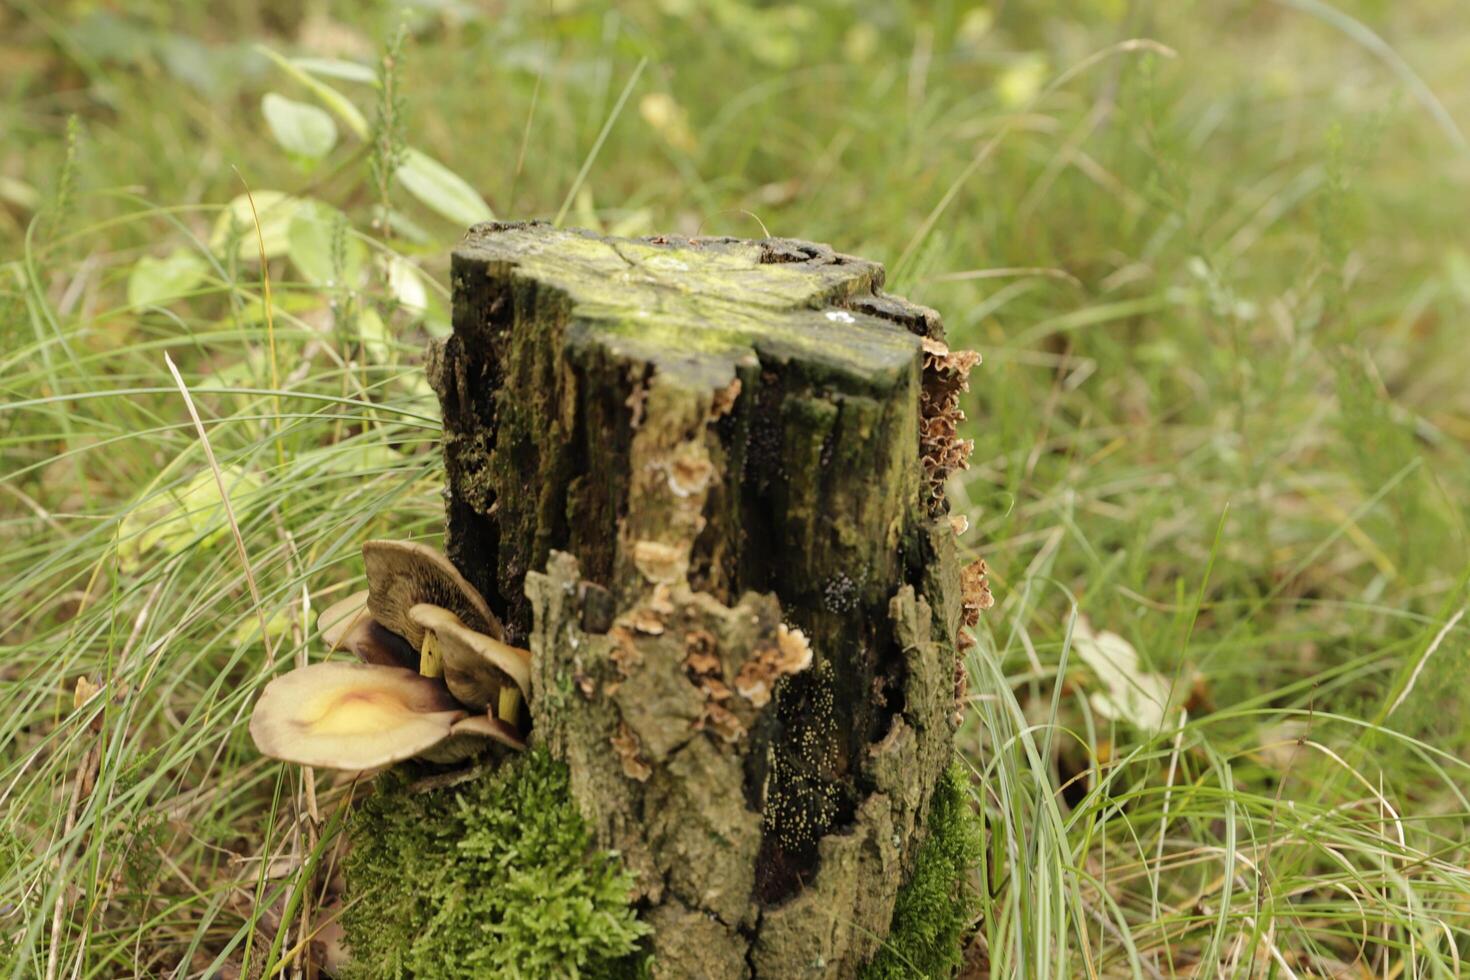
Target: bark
(673, 465)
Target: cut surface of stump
(703, 481)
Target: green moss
(493, 877)
(936, 909)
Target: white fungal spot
(667, 263)
(839, 316)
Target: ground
(1218, 276)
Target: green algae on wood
(702, 480)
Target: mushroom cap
(403, 574)
(347, 625)
(351, 716)
(330, 938)
(476, 666)
(337, 620)
(492, 728)
(467, 739)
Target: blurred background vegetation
(1214, 255)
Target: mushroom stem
(509, 708)
(476, 666)
(431, 661)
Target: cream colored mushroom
(403, 574)
(341, 617)
(467, 740)
(352, 716)
(491, 728)
(481, 671)
(347, 625)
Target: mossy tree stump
(674, 463)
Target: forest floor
(1214, 256)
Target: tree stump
(702, 479)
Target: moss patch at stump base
(492, 877)
(938, 906)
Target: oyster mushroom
(481, 671)
(352, 716)
(403, 574)
(347, 625)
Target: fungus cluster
(942, 452)
(975, 598)
(436, 679)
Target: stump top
(697, 308)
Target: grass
(1219, 281)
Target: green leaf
(249, 627)
(441, 189)
(340, 104)
(19, 193)
(354, 457)
(189, 516)
(153, 280)
(402, 225)
(303, 130)
(276, 210)
(404, 283)
(323, 247)
(1457, 272)
(373, 333)
(346, 71)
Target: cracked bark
(674, 467)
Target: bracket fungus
(436, 682)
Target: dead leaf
(1133, 694)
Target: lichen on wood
(702, 481)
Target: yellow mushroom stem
(431, 661)
(509, 708)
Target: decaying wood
(703, 481)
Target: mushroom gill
(403, 574)
(491, 728)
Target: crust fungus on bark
(702, 479)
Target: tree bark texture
(674, 465)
